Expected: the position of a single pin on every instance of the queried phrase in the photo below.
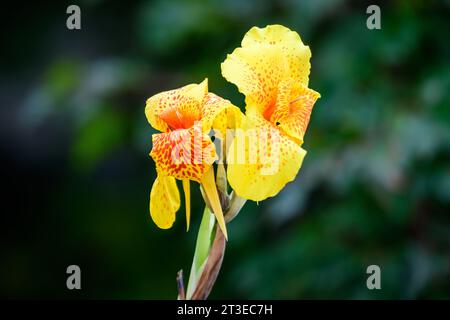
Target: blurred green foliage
(374, 187)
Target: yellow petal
(209, 185)
(293, 108)
(256, 71)
(262, 160)
(267, 56)
(164, 201)
(219, 113)
(184, 153)
(176, 109)
(187, 201)
(296, 54)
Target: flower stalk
(211, 243)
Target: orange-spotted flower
(183, 150)
(271, 69)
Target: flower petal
(293, 109)
(187, 201)
(164, 201)
(256, 71)
(289, 43)
(176, 109)
(219, 113)
(261, 160)
(267, 56)
(183, 153)
(210, 188)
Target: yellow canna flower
(183, 150)
(271, 69)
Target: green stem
(202, 248)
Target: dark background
(76, 175)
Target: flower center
(179, 117)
